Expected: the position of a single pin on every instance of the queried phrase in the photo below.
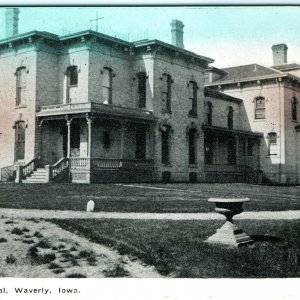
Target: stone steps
(38, 176)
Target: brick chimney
(11, 21)
(279, 54)
(177, 33)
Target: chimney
(11, 21)
(279, 54)
(177, 33)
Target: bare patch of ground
(39, 249)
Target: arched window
(260, 109)
(294, 108)
(20, 140)
(166, 92)
(193, 89)
(165, 144)
(72, 81)
(272, 136)
(230, 118)
(20, 85)
(107, 85)
(209, 112)
(142, 76)
(192, 135)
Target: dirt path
(67, 214)
(39, 249)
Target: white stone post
(69, 138)
(48, 169)
(19, 174)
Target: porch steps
(38, 176)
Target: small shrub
(17, 230)
(68, 255)
(74, 262)
(45, 244)
(40, 258)
(58, 271)
(9, 222)
(3, 240)
(86, 253)
(38, 234)
(27, 236)
(116, 271)
(54, 265)
(54, 248)
(47, 258)
(33, 252)
(10, 259)
(61, 246)
(28, 241)
(25, 229)
(75, 275)
(91, 260)
(73, 249)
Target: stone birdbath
(229, 234)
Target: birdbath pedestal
(229, 234)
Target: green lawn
(172, 198)
(177, 248)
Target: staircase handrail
(60, 166)
(30, 167)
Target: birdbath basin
(229, 234)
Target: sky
(230, 35)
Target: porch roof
(59, 111)
(228, 131)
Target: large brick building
(88, 107)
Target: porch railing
(225, 168)
(23, 171)
(60, 166)
(110, 163)
(7, 173)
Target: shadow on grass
(266, 238)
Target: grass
(171, 198)
(177, 248)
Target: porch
(92, 142)
(231, 155)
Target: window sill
(21, 106)
(259, 120)
(193, 114)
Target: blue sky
(230, 35)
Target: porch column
(122, 137)
(89, 124)
(246, 151)
(237, 143)
(217, 149)
(69, 121)
(41, 139)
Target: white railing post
(48, 169)
(19, 174)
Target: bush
(45, 244)
(75, 275)
(10, 259)
(17, 231)
(38, 234)
(28, 241)
(3, 240)
(116, 271)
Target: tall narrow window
(260, 109)
(140, 152)
(20, 86)
(193, 89)
(230, 118)
(72, 81)
(166, 93)
(294, 108)
(209, 112)
(192, 146)
(20, 140)
(142, 89)
(165, 145)
(107, 86)
(272, 136)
